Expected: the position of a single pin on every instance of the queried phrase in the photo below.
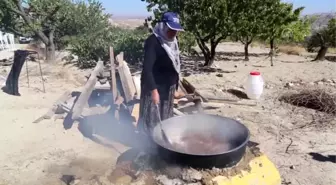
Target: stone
(324, 80)
(320, 83)
(191, 175)
(125, 180)
(235, 66)
(164, 180)
(289, 84)
(329, 81)
(75, 182)
(219, 75)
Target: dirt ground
(40, 153)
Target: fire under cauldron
(202, 141)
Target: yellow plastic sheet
(263, 172)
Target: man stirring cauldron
(160, 74)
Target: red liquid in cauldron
(202, 144)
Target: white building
(7, 41)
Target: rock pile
(322, 82)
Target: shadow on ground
(323, 158)
(238, 93)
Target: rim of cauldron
(219, 153)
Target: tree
(279, 16)
(248, 19)
(84, 18)
(51, 21)
(297, 31)
(208, 20)
(40, 18)
(324, 38)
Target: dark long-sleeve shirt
(158, 69)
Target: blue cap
(172, 21)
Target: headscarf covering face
(170, 45)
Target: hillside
(322, 20)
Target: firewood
(87, 90)
(191, 89)
(54, 108)
(113, 76)
(126, 79)
(177, 112)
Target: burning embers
(139, 168)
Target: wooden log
(113, 76)
(177, 112)
(54, 108)
(87, 90)
(126, 79)
(12, 82)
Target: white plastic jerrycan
(254, 86)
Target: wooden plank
(137, 84)
(177, 112)
(126, 79)
(233, 102)
(117, 104)
(53, 109)
(181, 88)
(87, 90)
(113, 76)
(135, 114)
(191, 89)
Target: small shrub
(91, 47)
(317, 99)
(291, 49)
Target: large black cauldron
(202, 141)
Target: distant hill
(322, 20)
(129, 23)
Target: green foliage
(297, 31)
(325, 37)
(91, 47)
(52, 22)
(207, 20)
(83, 18)
(247, 19)
(39, 18)
(186, 42)
(279, 16)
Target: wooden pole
(113, 76)
(87, 90)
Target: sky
(138, 8)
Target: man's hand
(155, 97)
